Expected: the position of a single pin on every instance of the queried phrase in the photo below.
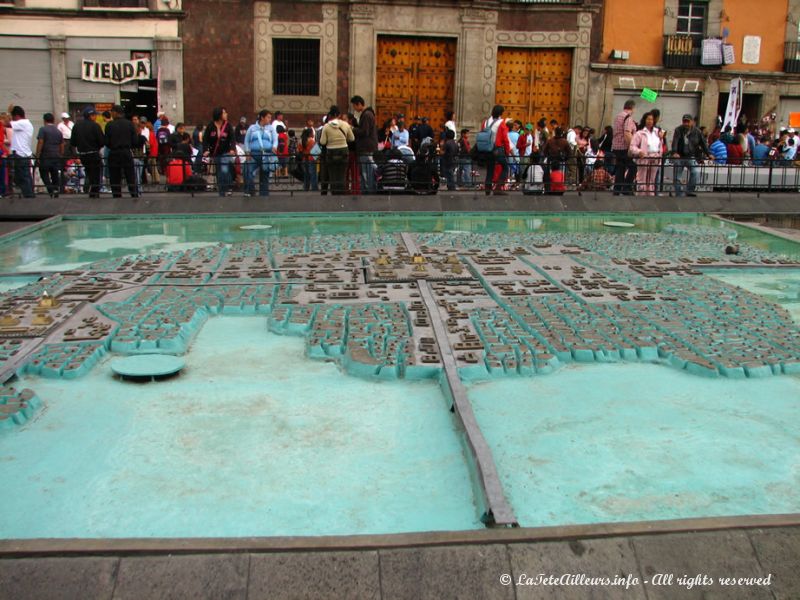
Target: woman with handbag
(219, 143)
(645, 148)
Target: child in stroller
(392, 173)
(424, 173)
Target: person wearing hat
(688, 146)
(121, 138)
(424, 131)
(65, 126)
(87, 139)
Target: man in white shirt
(22, 150)
(65, 127)
(278, 121)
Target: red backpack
(522, 143)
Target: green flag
(649, 95)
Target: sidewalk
(209, 202)
(469, 571)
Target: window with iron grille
(115, 3)
(692, 16)
(295, 67)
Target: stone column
(710, 98)
(579, 95)
(58, 75)
(670, 16)
(475, 67)
(792, 18)
(362, 52)
(169, 62)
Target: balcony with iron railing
(791, 58)
(570, 2)
(682, 51)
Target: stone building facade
(763, 49)
(301, 57)
(44, 43)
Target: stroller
(423, 175)
(393, 173)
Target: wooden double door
(415, 76)
(533, 83)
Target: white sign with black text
(115, 71)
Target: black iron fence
(344, 172)
(791, 57)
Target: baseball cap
(88, 111)
(791, 130)
(529, 126)
(160, 113)
(688, 117)
(65, 115)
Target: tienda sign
(115, 72)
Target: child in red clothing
(282, 152)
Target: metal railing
(381, 174)
(791, 57)
(681, 51)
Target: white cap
(791, 130)
(65, 115)
(160, 113)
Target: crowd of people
(348, 153)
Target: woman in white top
(450, 122)
(646, 149)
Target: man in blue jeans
(366, 135)
(260, 144)
(688, 145)
(22, 150)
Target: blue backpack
(484, 141)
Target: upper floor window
(295, 67)
(692, 15)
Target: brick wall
(295, 12)
(217, 58)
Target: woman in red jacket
(152, 144)
(500, 150)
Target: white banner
(734, 104)
(115, 72)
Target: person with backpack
(494, 144)
(163, 134)
(555, 154)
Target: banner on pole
(734, 104)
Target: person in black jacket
(366, 134)
(87, 138)
(121, 138)
(219, 142)
(688, 146)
